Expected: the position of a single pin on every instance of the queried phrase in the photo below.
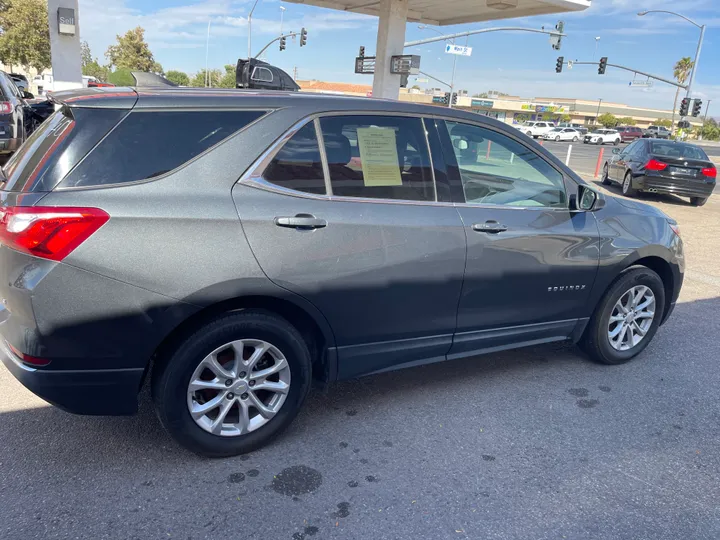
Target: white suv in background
(602, 136)
(535, 129)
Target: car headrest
(460, 144)
(337, 148)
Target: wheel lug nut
(228, 383)
(251, 383)
(242, 374)
(244, 396)
(231, 396)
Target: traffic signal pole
(633, 70)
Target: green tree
(199, 80)
(565, 118)
(482, 95)
(626, 121)
(607, 120)
(662, 122)
(681, 72)
(178, 77)
(228, 80)
(133, 53)
(90, 65)
(121, 77)
(25, 34)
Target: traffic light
(697, 106)
(454, 98)
(303, 38)
(602, 66)
(362, 52)
(559, 64)
(446, 98)
(283, 43)
(684, 106)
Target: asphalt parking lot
(531, 444)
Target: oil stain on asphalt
(296, 480)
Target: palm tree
(681, 72)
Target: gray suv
(229, 247)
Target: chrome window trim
(323, 156)
(257, 70)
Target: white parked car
(535, 129)
(562, 134)
(602, 136)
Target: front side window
(297, 165)
(379, 157)
(145, 145)
(496, 169)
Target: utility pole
(250, 29)
(597, 114)
(707, 109)
(295, 73)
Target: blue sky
(518, 63)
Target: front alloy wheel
(631, 318)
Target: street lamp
(250, 29)
(282, 13)
(699, 46)
(597, 39)
(452, 79)
(207, 52)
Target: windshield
(678, 150)
(601, 131)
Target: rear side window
(298, 165)
(58, 144)
(149, 144)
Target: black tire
(698, 201)
(627, 188)
(575, 139)
(605, 177)
(171, 377)
(616, 142)
(557, 138)
(595, 342)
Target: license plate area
(682, 171)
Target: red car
(98, 84)
(630, 133)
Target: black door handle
(301, 221)
(492, 227)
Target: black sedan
(661, 166)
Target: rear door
(348, 212)
(531, 261)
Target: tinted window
(381, 157)
(149, 144)
(677, 150)
(262, 74)
(58, 144)
(496, 169)
(297, 165)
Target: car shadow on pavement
(46, 438)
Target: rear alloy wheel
(698, 201)
(234, 384)
(557, 138)
(529, 133)
(575, 138)
(606, 176)
(627, 188)
(627, 317)
(616, 142)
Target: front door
(377, 246)
(531, 262)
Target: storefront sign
(482, 103)
(549, 109)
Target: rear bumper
(97, 392)
(683, 188)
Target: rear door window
(378, 157)
(149, 144)
(297, 165)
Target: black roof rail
(150, 79)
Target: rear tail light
(710, 172)
(33, 361)
(6, 107)
(655, 165)
(48, 232)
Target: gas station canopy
(444, 12)
(394, 14)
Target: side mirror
(589, 200)
(28, 95)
